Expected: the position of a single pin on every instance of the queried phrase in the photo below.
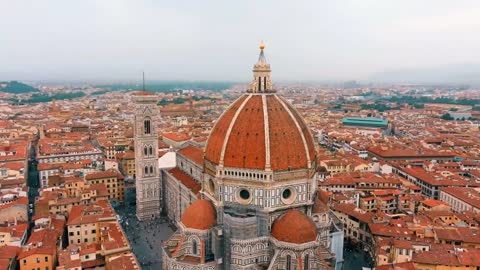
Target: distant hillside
(456, 74)
(170, 86)
(15, 87)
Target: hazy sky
(218, 40)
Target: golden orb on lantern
(262, 45)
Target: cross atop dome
(261, 82)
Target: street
(145, 237)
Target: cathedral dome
(200, 215)
(261, 131)
(294, 227)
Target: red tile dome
(200, 215)
(294, 227)
(261, 131)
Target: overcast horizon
(114, 40)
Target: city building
(112, 180)
(365, 122)
(84, 222)
(461, 199)
(126, 163)
(147, 180)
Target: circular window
(289, 195)
(243, 196)
(286, 193)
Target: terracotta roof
(319, 206)
(468, 195)
(47, 238)
(185, 179)
(85, 214)
(105, 174)
(126, 261)
(200, 215)
(193, 153)
(178, 137)
(294, 227)
(143, 93)
(433, 203)
(8, 254)
(245, 146)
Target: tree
(447, 116)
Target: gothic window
(305, 262)
(150, 150)
(289, 262)
(145, 151)
(146, 170)
(146, 127)
(194, 247)
(151, 169)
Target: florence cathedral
(257, 206)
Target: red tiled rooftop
(185, 179)
(200, 215)
(294, 227)
(193, 153)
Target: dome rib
(266, 128)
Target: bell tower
(261, 83)
(148, 183)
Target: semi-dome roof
(261, 131)
(200, 215)
(319, 206)
(294, 227)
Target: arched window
(194, 247)
(145, 151)
(146, 170)
(150, 150)
(305, 262)
(151, 169)
(146, 126)
(289, 262)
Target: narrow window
(264, 83)
(289, 262)
(194, 247)
(151, 150)
(305, 262)
(146, 170)
(151, 169)
(259, 84)
(145, 151)
(146, 126)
